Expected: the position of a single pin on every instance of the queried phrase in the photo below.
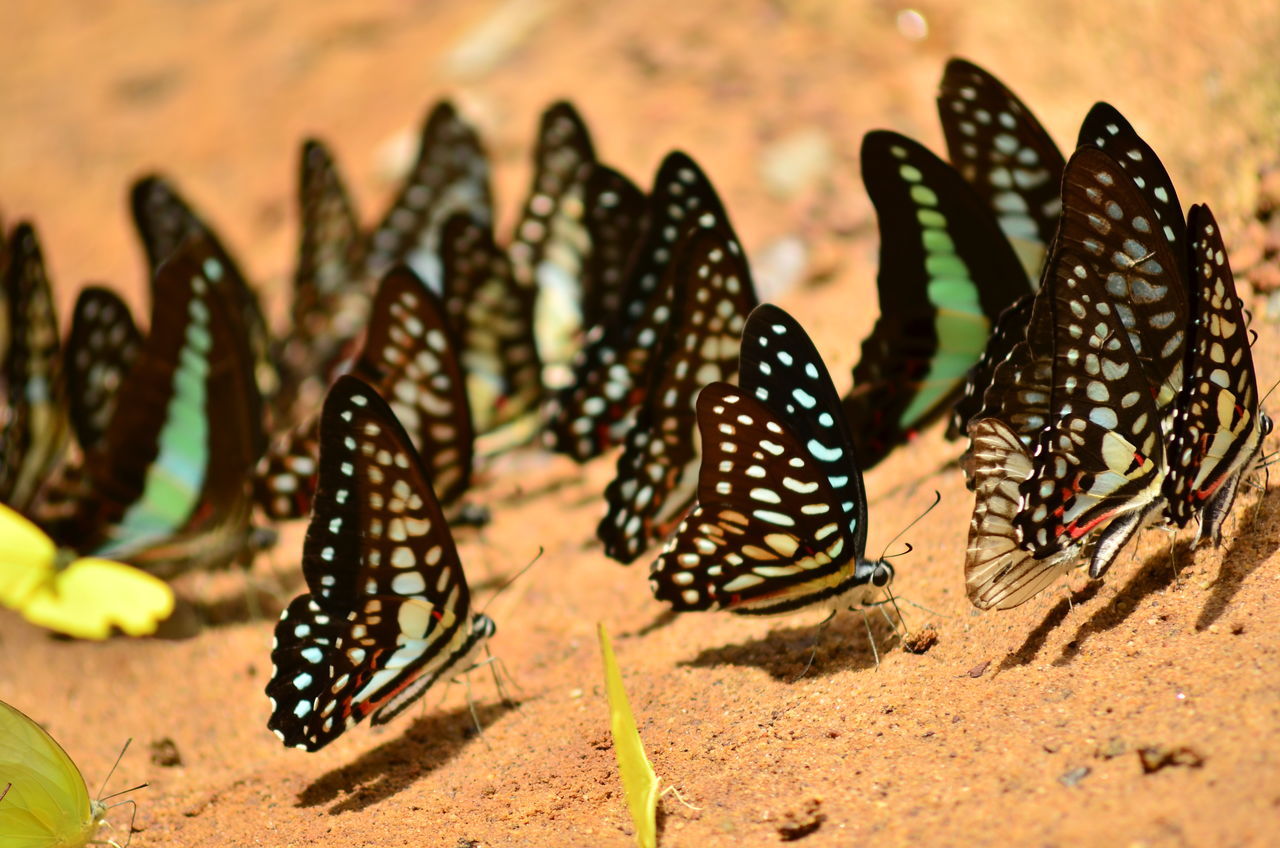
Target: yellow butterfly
(81, 598)
(43, 797)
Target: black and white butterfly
(1218, 425)
(780, 522)
(387, 612)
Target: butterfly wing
(615, 212)
(100, 351)
(999, 147)
(47, 802)
(493, 316)
(658, 467)
(1108, 222)
(450, 175)
(1218, 427)
(591, 414)
(33, 427)
(387, 610)
(946, 274)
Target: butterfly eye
(882, 576)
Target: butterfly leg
(471, 706)
(871, 637)
(817, 639)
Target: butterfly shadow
(1252, 546)
(428, 743)
(840, 645)
(1156, 574)
(1035, 640)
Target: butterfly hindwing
(387, 611)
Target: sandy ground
(1017, 728)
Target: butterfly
(451, 175)
(83, 597)
(550, 242)
(387, 613)
(43, 796)
(780, 522)
(165, 487)
(1095, 472)
(101, 348)
(999, 147)
(946, 274)
(34, 429)
(658, 467)
(492, 318)
(410, 355)
(330, 294)
(1218, 427)
(592, 413)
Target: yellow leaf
(639, 783)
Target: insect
(780, 523)
(593, 411)
(946, 274)
(1218, 427)
(387, 611)
(100, 350)
(658, 467)
(410, 355)
(34, 428)
(43, 796)
(165, 487)
(84, 597)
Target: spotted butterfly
(946, 273)
(593, 412)
(658, 467)
(999, 147)
(410, 355)
(330, 293)
(1097, 464)
(387, 611)
(1218, 426)
(780, 522)
(33, 417)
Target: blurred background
(771, 96)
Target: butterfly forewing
(615, 210)
(387, 609)
(999, 147)
(1218, 426)
(946, 274)
(33, 421)
(1109, 224)
(1010, 329)
(1105, 128)
(1101, 456)
(658, 467)
(450, 175)
(100, 351)
(590, 414)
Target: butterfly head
(482, 626)
(875, 577)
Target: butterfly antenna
(7, 787)
(1269, 391)
(507, 585)
(114, 766)
(937, 498)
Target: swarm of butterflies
(1063, 314)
